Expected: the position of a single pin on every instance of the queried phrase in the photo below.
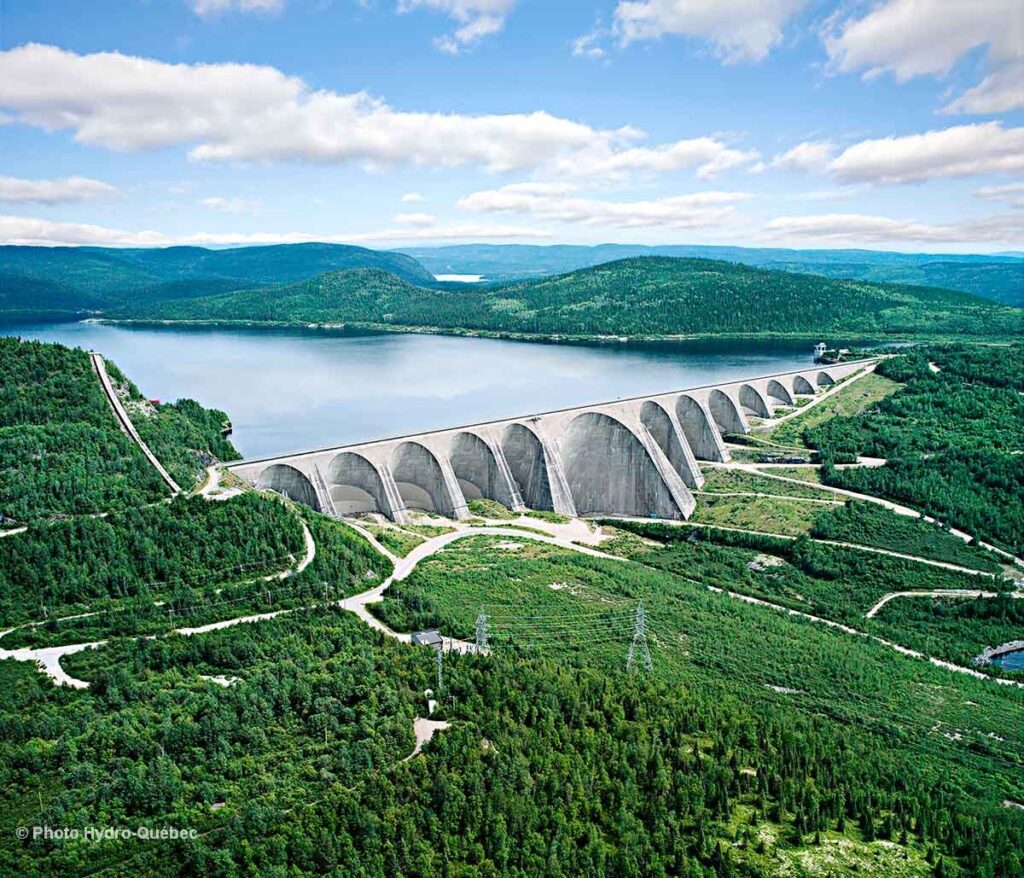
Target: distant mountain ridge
(638, 297)
(999, 277)
(72, 280)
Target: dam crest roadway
(630, 457)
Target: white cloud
(478, 19)
(740, 30)
(998, 93)
(852, 228)
(911, 38)
(415, 219)
(812, 156)
(36, 232)
(589, 46)
(950, 152)
(411, 197)
(62, 191)
(608, 161)
(241, 112)
(232, 205)
(556, 202)
(210, 8)
(1012, 194)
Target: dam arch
(824, 379)
(778, 392)
(802, 386)
(726, 413)
(476, 469)
(699, 429)
(525, 456)
(608, 470)
(658, 423)
(420, 479)
(289, 482)
(355, 485)
(752, 402)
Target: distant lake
(292, 390)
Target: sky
(893, 124)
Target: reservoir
(295, 390)
(1010, 661)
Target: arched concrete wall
(420, 479)
(289, 482)
(700, 430)
(802, 385)
(663, 431)
(752, 402)
(779, 393)
(356, 486)
(609, 471)
(727, 415)
(525, 456)
(476, 469)
(824, 379)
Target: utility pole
(638, 649)
(481, 632)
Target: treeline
(143, 553)
(650, 296)
(62, 451)
(952, 439)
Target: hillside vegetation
(633, 297)
(1000, 278)
(48, 282)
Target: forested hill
(632, 297)
(50, 281)
(999, 277)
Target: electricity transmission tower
(481, 632)
(638, 650)
(440, 672)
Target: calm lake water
(294, 390)
(1010, 661)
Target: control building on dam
(631, 457)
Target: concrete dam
(632, 457)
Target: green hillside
(999, 276)
(37, 281)
(643, 296)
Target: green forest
(643, 296)
(760, 743)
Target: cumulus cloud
(852, 228)
(739, 30)
(911, 38)
(1012, 194)
(411, 197)
(36, 232)
(557, 202)
(243, 112)
(478, 19)
(981, 148)
(232, 205)
(610, 161)
(812, 156)
(62, 191)
(210, 8)
(950, 152)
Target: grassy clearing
(718, 480)
(850, 400)
(546, 515)
(766, 514)
(489, 509)
(803, 473)
(394, 540)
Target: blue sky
(896, 124)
